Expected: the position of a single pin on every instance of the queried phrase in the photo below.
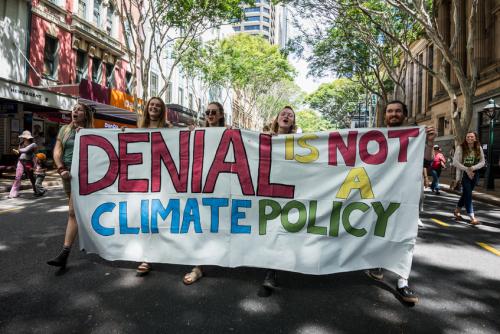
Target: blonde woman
(81, 117)
(154, 117)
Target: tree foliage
(310, 121)
(337, 101)
(247, 64)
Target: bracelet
(61, 169)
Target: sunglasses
(211, 112)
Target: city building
(427, 100)
(265, 19)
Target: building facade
(427, 100)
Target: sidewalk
(479, 194)
(51, 179)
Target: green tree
(246, 64)
(310, 121)
(337, 101)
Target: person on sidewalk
(395, 115)
(438, 164)
(26, 151)
(468, 158)
(81, 117)
(40, 170)
(155, 117)
(284, 123)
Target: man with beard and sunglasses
(395, 116)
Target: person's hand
(15, 151)
(470, 174)
(430, 134)
(191, 127)
(66, 175)
(79, 128)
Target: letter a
(356, 179)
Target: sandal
(474, 221)
(193, 276)
(457, 214)
(143, 269)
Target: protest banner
(315, 203)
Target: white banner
(315, 203)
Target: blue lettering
(124, 229)
(145, 216)
(237, 215)
(104, 231)
(158, 209)
(191, 214)
(215, 204)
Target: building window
(237, 28)
(81, 66)
(430, 81)
(252, 18)
(410, 89)
(169, 92)
(110, 77)
(199, 105)
(109, 19)
(97, 12)
(252, 9)
(128, 78)
(440, 126)
(50, 56)
(82, 8)
(191, 101)
(181, 96)
(266, 28)
(153, 85)
(96, 70)
(420, 86)
(266, 19)
(266, 10)
(252, 27)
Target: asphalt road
(458, 282)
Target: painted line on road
(440, 222)
(11, 209)
(489, 248)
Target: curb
(490, 199)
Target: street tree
(311, 121)
(452, 40)
(337, 101)
(152, 27)
(245, 64)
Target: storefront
(40, 111)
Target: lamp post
(490, 110)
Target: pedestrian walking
(81, 117)
(468, 158)
(284, 123)
(154, 117)
(40, 170)
(438, 164)
(395, 115)
(25, 164)
(215, 117)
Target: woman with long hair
(468, 158)
(154, 117)
(284, 123)
(81, 117)
(26, 150)
(214, 117)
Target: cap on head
(26, 135)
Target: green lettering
(294, 227)
(357, 232)
(264, 217)
(335, 219)
(383, 216)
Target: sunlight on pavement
(259, 306)
(489, 248)
(10, 209)
(3, 247)
(310, 329)
(128, 281)
(61, 208)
